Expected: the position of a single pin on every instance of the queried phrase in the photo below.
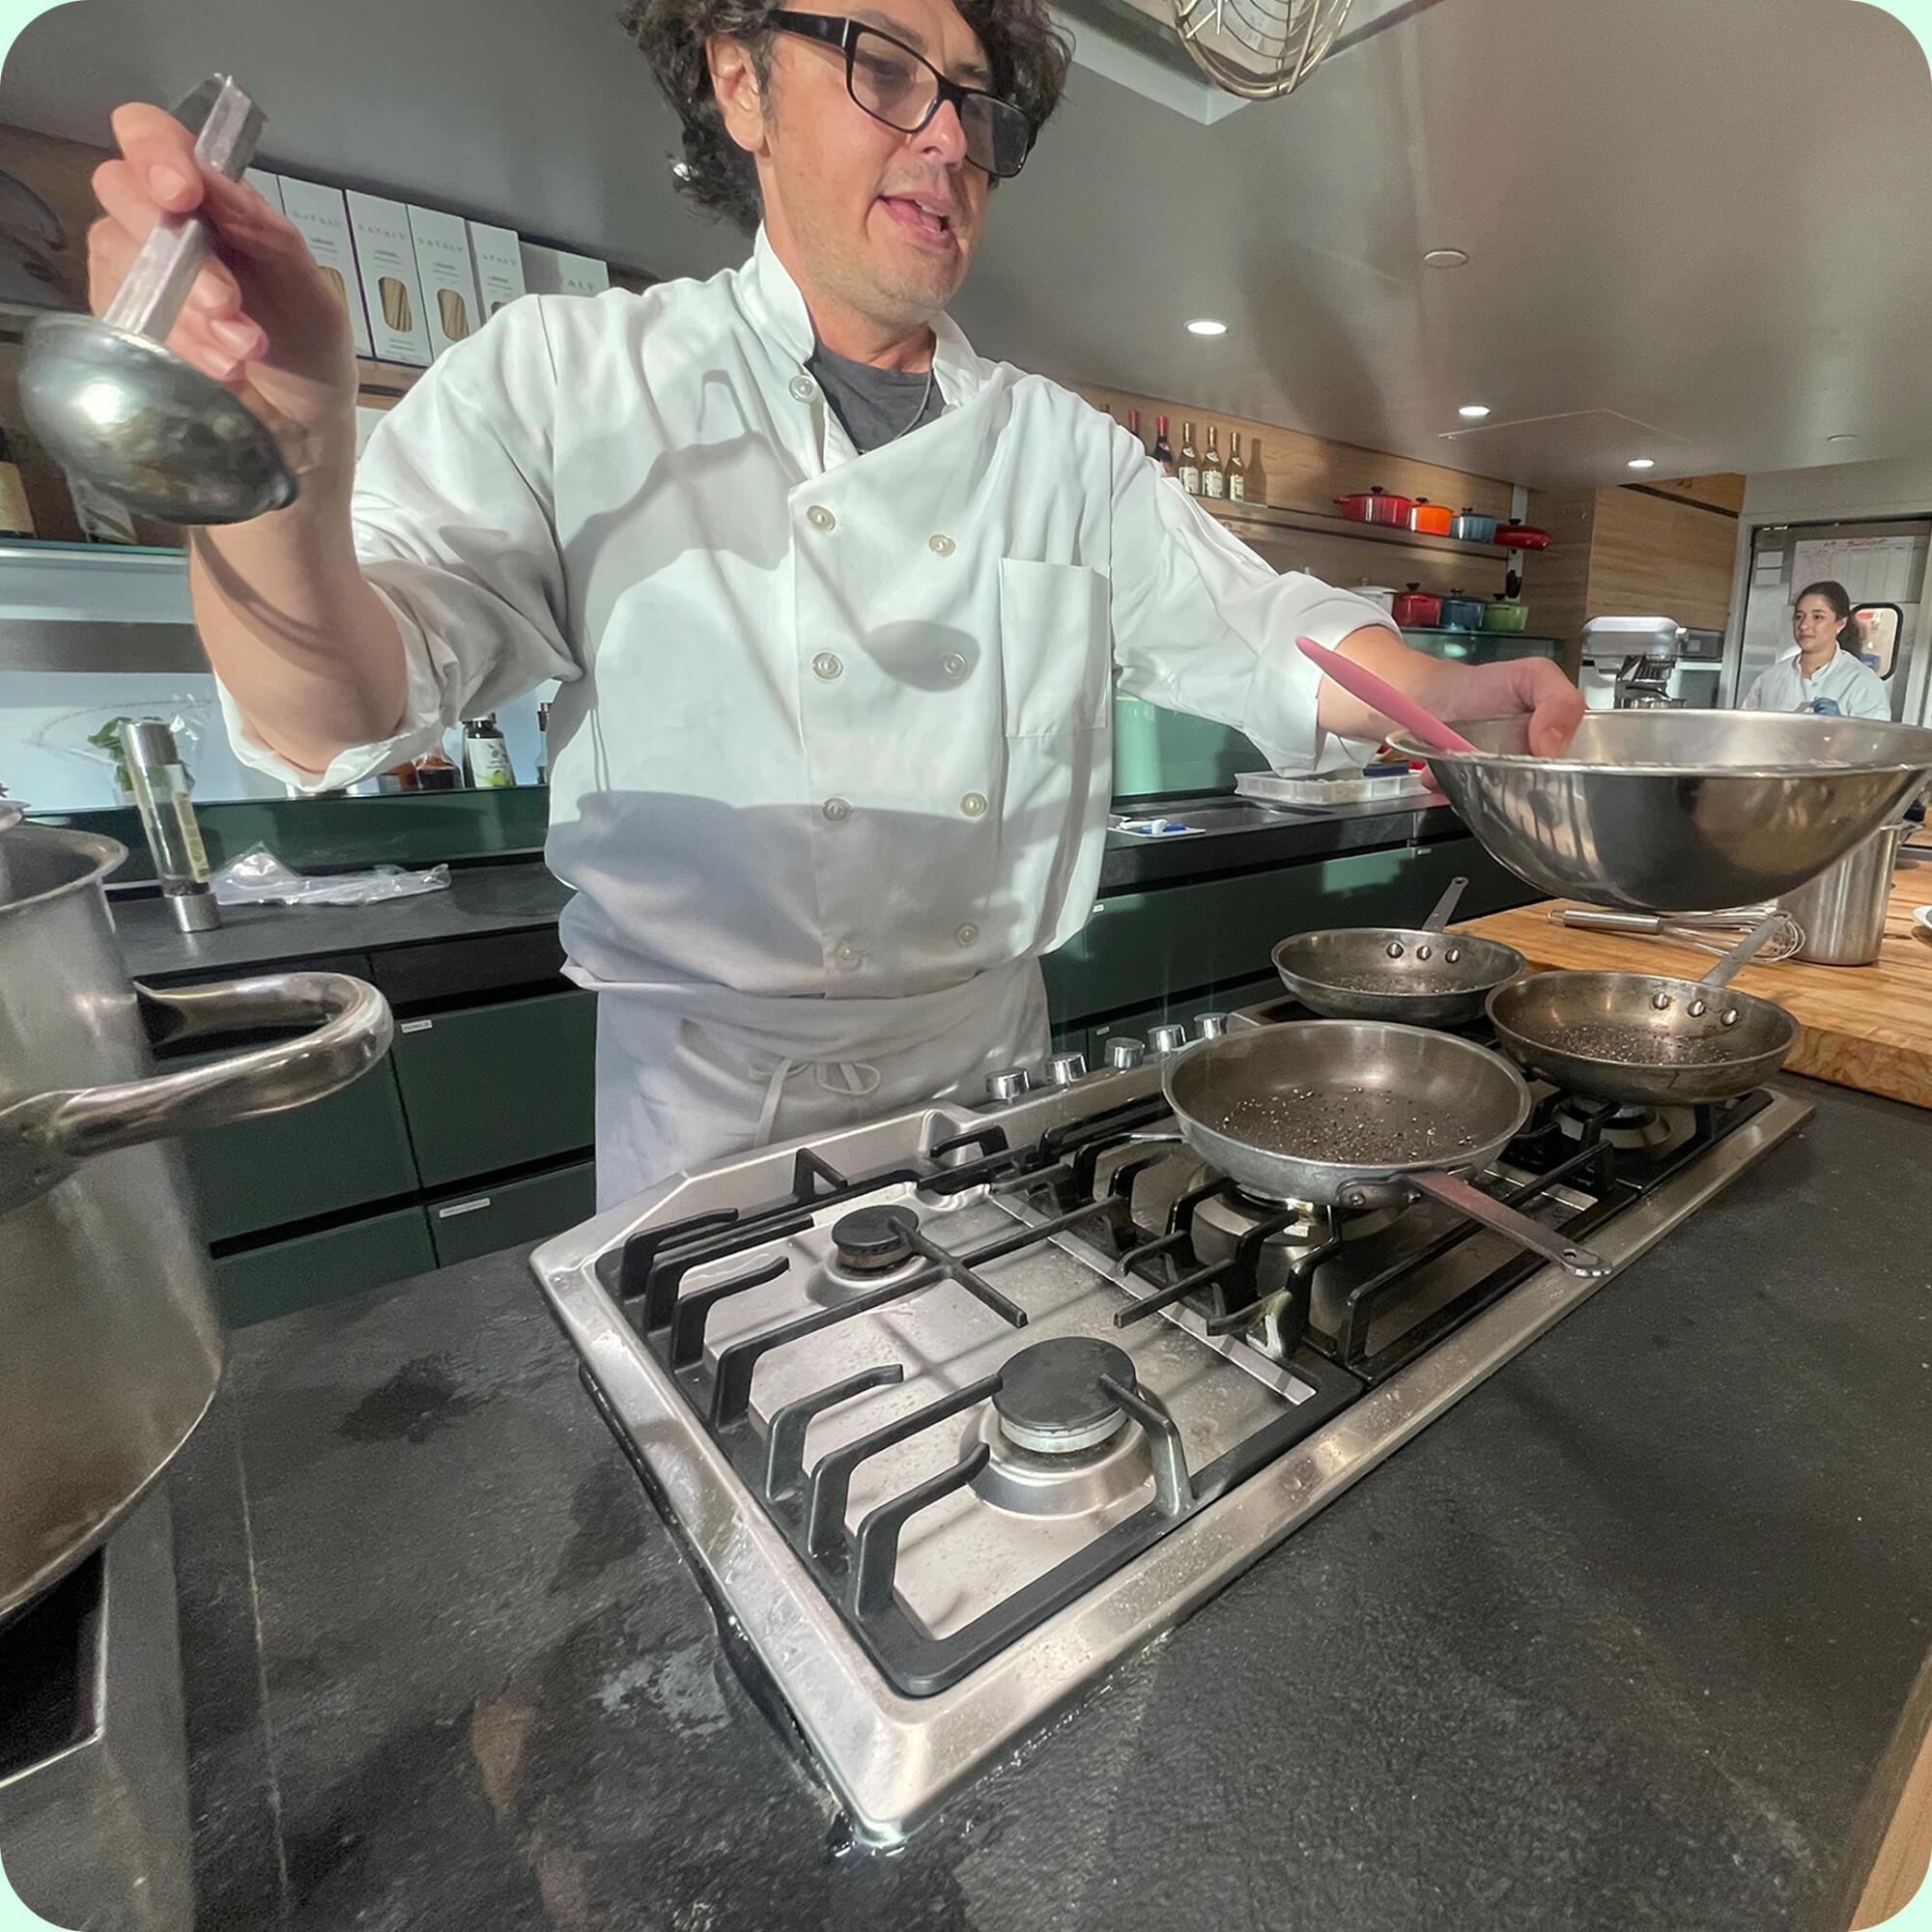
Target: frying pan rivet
(1453, 953)
(1696, 1010)
(1425, 953)
(1731, 1017)
(1660, 1001)
(1393, 949)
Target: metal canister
(1842, 910)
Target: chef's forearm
(309, 653)
(1533, 686)
(1383, 652)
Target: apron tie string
(855, 1080)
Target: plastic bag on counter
(259, 878)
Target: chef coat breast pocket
(1055, 647)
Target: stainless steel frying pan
(1359, 1114)
(1644, 1039)
(1420, 975)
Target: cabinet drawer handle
(462, 1207)
(417, 1026)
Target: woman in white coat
(838, 605)
(1824, 673)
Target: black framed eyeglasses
(900, 86)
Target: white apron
(688, 1074)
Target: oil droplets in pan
(1361, 1126)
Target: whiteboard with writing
(1874, 570)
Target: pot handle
(1453, 1191)
(42, 1138)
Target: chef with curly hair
(838, 605)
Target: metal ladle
(128, 415)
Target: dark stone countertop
(506, 896)
(1618, 1642)
(478, 900)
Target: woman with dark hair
(1825, 673)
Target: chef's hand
(261, 318)
(1534, 685)
(1455, 690)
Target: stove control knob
(1064, 1069)
(1123, 1053)
(1212, 1025)
(1168, 1038)
(1008, 1084)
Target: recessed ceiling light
(1475, 411)
(1843, 436)
(1642, 462)
(1445, 258)
(1205, 325)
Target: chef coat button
(803, 388)
(836, 810)
(967, 933)
(820, 518)
(940, 546)
(827, 664)
(845, 953)
(952, 664)
(974, 805)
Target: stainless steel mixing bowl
(1680, 810)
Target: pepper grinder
(162, 789)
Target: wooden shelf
(1319, 523)
(1476, 637)
(386, 379)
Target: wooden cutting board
(1868, 1027)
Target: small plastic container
(1319, 793)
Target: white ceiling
(1698, 228)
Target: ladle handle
(1719, 975)
(1445, 906)
(157, 284)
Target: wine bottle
(1238, 471)
(1213, 476)
(1163, 453)
(1190, 462)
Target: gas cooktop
(953, 1410)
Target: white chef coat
(831, 762)
(1846, 682)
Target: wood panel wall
(1648, 553)
(1631, 551)
(1725, 492)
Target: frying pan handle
(1453, 1191)
(1445, 906)
(1719, 975)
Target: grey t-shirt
(877, 405)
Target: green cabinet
(498, 1086)
(1174, 947)
(312, 1160)
(486, 1219)
(279, 1277)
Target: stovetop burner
(1626, 1128)
(1051, 1398)
(870, 1240)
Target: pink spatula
(1384, 697)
